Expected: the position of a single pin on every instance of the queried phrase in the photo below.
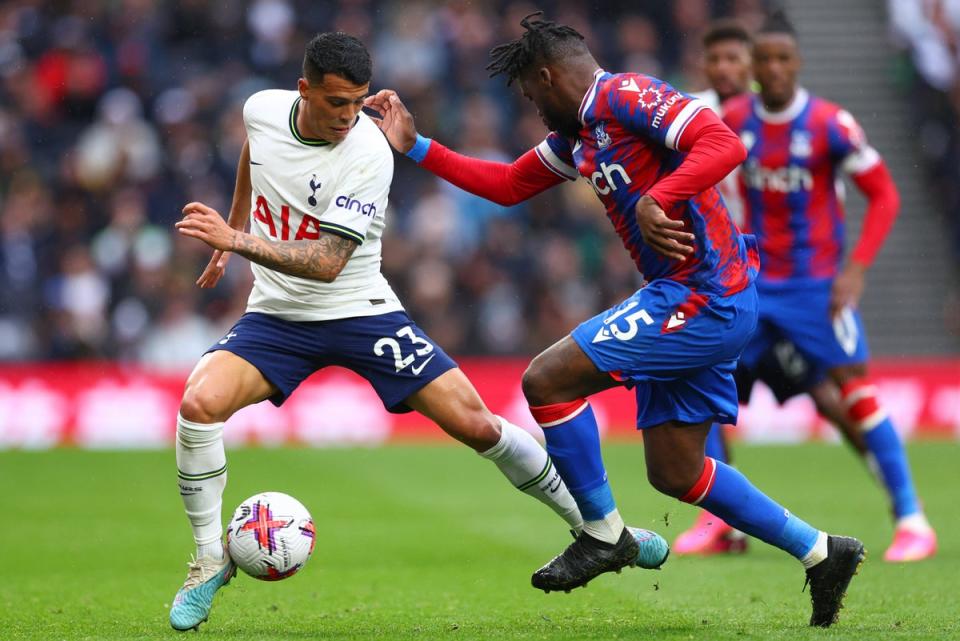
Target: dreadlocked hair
(542, 39)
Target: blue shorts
(800, 313)
(679, 350)
(389, 350)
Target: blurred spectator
(930, 31)
(114, 113)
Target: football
(271, 536)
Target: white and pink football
(271, 536)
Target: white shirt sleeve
(852, 146)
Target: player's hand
(214, 270)
(205, 223)
(662, 233)
(847, 288)
(395, 121)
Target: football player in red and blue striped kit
(653, 156)
(797, 144)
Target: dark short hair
(542, 40)
(724, 30)
(337, 53)
(778, 22)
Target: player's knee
(478, 430)
(672, 480)
(536, 384)
(847, 373)
(198, 406)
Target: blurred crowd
(114, 114)
(929, 31)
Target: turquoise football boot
(653, 548)
(191, 606)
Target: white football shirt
(302, 187)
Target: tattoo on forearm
(320, 259)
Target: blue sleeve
(652, 108)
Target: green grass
(429, 542)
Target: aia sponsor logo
(308, 229)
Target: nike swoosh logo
(555, 483)
(255, 163)
(416, 370)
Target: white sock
(818, 553)
(526, 464)
(607, 529)
(915, 523)
(202, 476)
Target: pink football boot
(709, 535)
(911, 544)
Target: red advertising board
(107, 405)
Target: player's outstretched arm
(503, 183)
(239, 214)
(322, 259)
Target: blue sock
(715, 448)
(887, 449)
(573, 442)
(863, 408)
(727, 493)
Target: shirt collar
(794, 109)
(591, 94)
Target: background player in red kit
(797, 144)
(652, 155)
(727, 62)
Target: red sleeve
(713, 151)
(883, 204)
(502, 183)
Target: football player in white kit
(315, 173)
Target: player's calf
(529, 468)
(452, 403)
(915, 538)
(830, 561)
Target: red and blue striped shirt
(791, 189)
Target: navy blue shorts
(389, 350)
(782, 368)
(677, 348)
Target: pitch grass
(429, 542)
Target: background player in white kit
(316, 173)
